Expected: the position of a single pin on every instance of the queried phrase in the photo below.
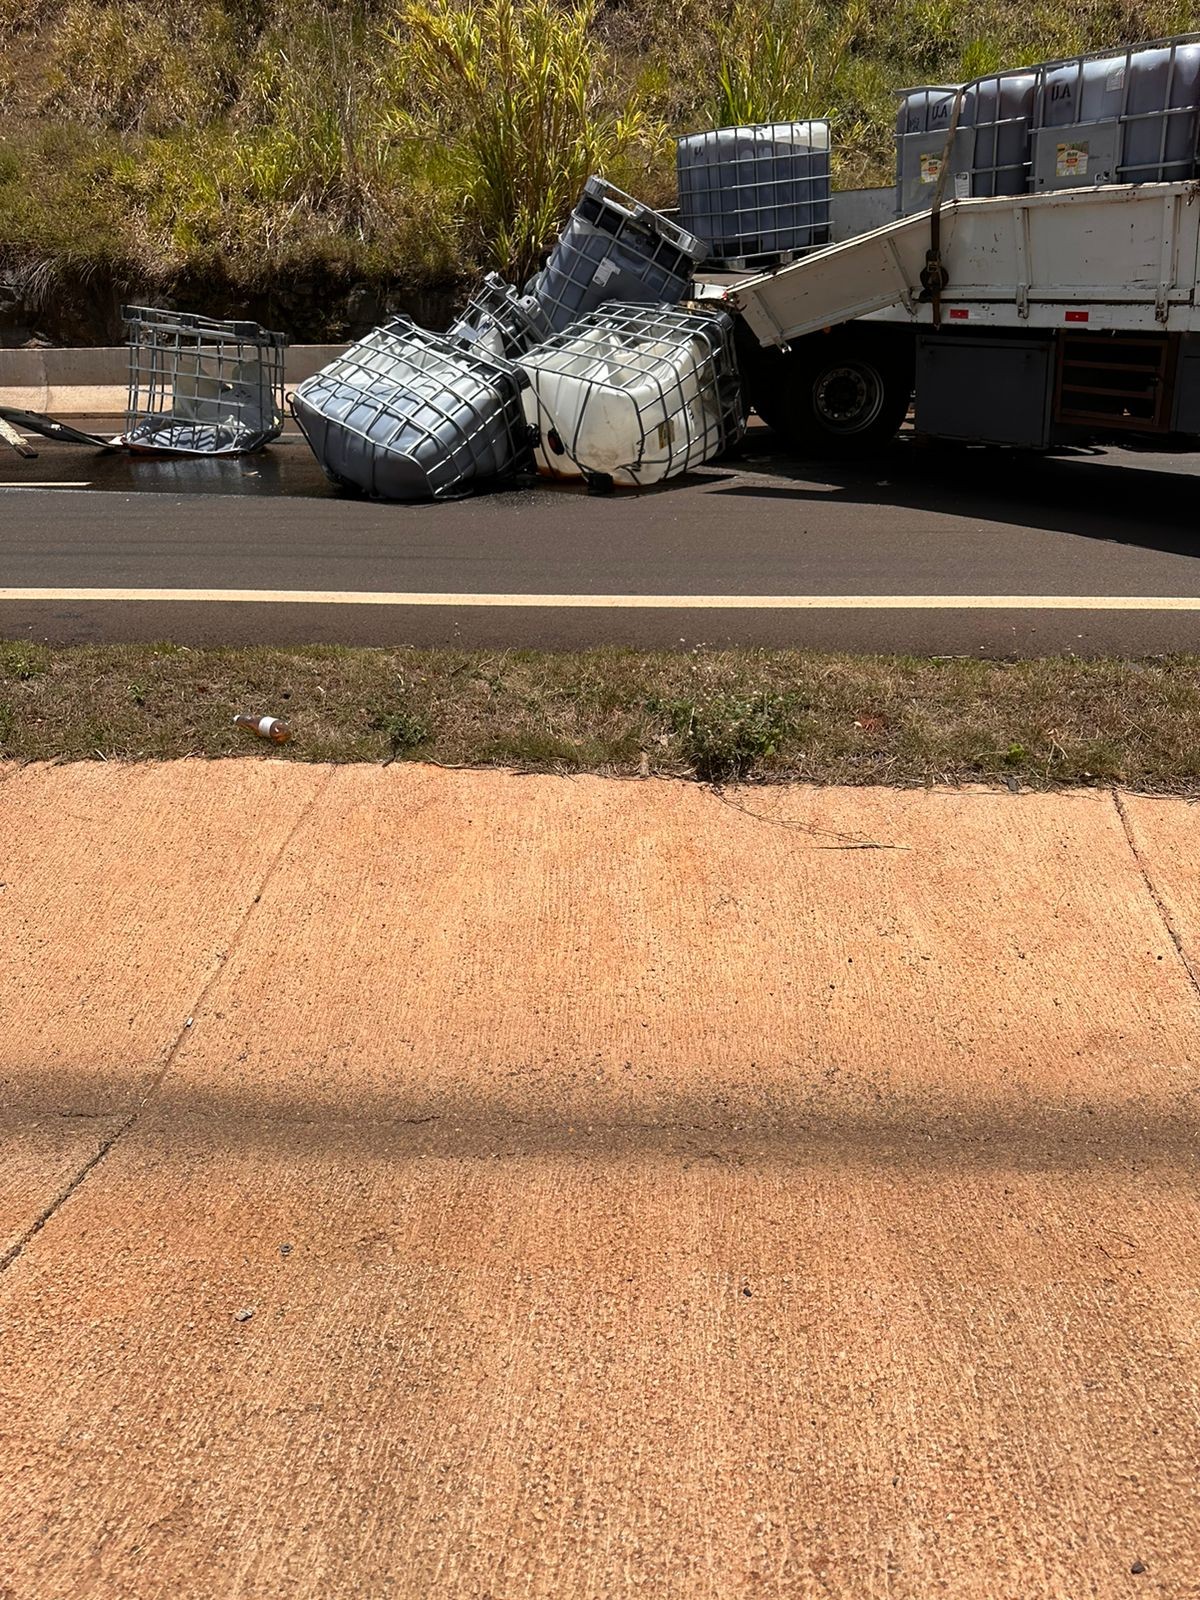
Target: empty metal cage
(410, 415)
(199, 386)
(634, 394)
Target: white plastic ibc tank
(634, 394)
(410, 415)
(613, 248)
(1160, 133)
(762, 189)
(1003, 113)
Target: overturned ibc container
(615, 248)
(633, 394)
(199, 386)
(500, 320)
(924, 144)
(758, 194)
(410, 415)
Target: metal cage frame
(200, 386)
(496, 308)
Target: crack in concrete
(63, 1195)
(72, 1186)
(1156, 897)
(210, 983)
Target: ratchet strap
(934, 276)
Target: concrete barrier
(93, 382)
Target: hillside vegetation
(415, 141)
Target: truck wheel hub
(848, 398)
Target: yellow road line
(619, 602)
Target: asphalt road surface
(929, 549)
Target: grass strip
(718, 716)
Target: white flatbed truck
(1032, 320)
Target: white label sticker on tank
(606, 270)
(930, 167)
(962, 185)
(1072, 161)
(1115, 81)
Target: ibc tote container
(614, 248)
(500, 320)
(1003, 113)
(922, 128)
(410, 415)
(1128, 116)
(1161, 114)
(634, 394)
(760, 190)
(201, 387)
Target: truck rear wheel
(835, 394)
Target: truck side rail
(1122, 255)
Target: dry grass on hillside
(421, 139)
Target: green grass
(716, 716)
(417, 141)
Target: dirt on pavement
(426, 1183)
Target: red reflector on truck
(1076, 316)
(959, 313)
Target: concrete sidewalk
(427, 1183)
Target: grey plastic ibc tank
(762, 189)
(1159, 144)
(1003, 112)
(1076, 140)
(922, 128)
(409, 415)
(614, 248)
(1082, 91)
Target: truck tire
(835, 394)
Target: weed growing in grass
(405, 730)
(23, 661)
(725, 736)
